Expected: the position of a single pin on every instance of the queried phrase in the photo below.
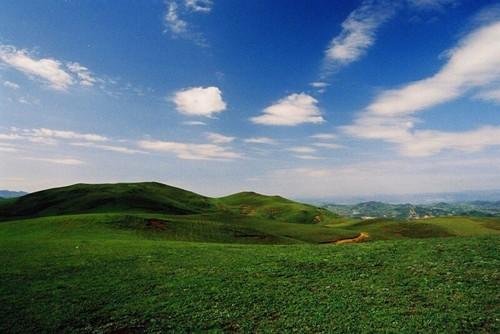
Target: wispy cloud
(260, 140)
(473, 63)
(301, 149)
(194, 123)
(199, 101)
(328, 145)
(84, 76)
(399, 176)
(112, 148)
(431, 4)
(49, 136)
(10, 84)
(174, 23)
(358, 33)
(190, 151)
(49, 133)
(218, 138)
(292, 110)
(203, 6)
(178, 27)
(492, 95)
(48, 70)
(59, 161)
(324, 136)
(55, 73)
(307, 157)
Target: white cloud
(474, 63)
(307, 157)
(199, 101)
(112, 148)
(427, 142)
(203, 6)
(194, 123)
(178, 27)
(292, 110)
(431, 4)
(259, 140)
(358, 32)
(11, 85)
(58, 161)
(10, 136)
(301, 149)
(319, 84)
(28, 100)
(218, 138)
(49, 133)
(49, 136)
(375, 178)
(328, 145)
(492, 95)
(190, 151)
(83, 74)
(46, 69)
(8, 149)
(172, 20)
(325, 136)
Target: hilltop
(119, 197)
(153, 197)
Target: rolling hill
(121, 197)
(150, 258)
(155, 210)
(155, 197)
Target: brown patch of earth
(360, 238)
(156, 224)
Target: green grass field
(242, 263)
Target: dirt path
(361, 237)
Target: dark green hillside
(159, 198)
(120, 197)
(276, 208)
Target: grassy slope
(156, 197)
(121, 286)
(275, 208)
(120, 197)
(120, 273)
(383, 229)
(230, 228)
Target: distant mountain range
(419, 198)
(370, 210)
(11, 194)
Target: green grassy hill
(159, 211)
(156, 197)
(121, 197)
(275, 208)
(149, 258)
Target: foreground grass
(226, 228)
(118, 286)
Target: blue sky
(301, 98)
